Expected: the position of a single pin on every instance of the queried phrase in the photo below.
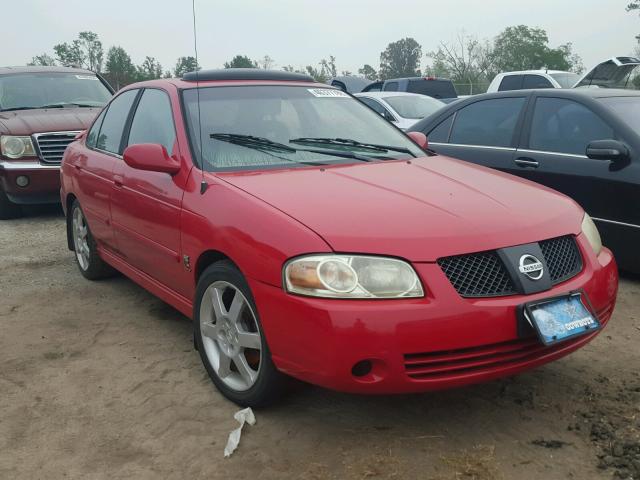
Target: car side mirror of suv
(612, 150)
(151, 157)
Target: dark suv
(42, 109)
(439, 88)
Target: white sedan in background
(401, 108)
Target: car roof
(524, 72)
(43, 69)
(558, 92)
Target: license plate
(558, 319)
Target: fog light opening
(22, 181)
(362, 368)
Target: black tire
(270, 383)
(95, 268)
(8, 209)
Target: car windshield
(566, 79)
(414, 107)
(252, 127)
(39, 90)
(627, 108)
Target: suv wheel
(8, 209)
(230, 339)
(89, 262)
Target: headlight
(351, 276)
(16, 147)
(591, 232)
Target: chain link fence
(471, 88)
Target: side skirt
(177, 301)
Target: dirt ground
(100, 380)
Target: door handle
(527, 162)
(118, 180)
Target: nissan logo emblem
(531, 267)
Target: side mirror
(151, 157)
(612, 150)
(419, 139)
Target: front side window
(535, 81)
(511, 82)
(110, 135)
(565, 126)
(253, 127)
(22, 91)
(391, 87)
(488, 122)
(153, 121)
(92, 136)
(627, 108)
(440, 134)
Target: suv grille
(51, 146)
(484, 275)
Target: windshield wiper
(67, 105)
(13, 109)
(264, 144)
(341, 142)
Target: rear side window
(440, 134)
(432, 88)
(114, 122)
(535, 81)
(565, 126)
(92, 136)
(391, 87)
(510, 82)
(153, 120)
(488, 122)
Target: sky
(300, 32)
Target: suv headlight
(351, 276)
(591, 232)
(16, 147)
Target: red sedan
(308, 237)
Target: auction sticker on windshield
(327, 93)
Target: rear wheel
(8, 209)
(230, 339)
(89, 262)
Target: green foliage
(85, 51)
(266, 63)
(150, 69)
(241, 61)
(401, 59)
(326, 71)
(120, 70)
(466, 60)
(367, 71)
(44, 60)
(184, 65)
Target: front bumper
(437, 342)
(43, 187)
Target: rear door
(483, 132)
(146, 206)
(95, 169)
(557, 132)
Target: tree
(120, 70)
(45, 60)
(634, 7)
(150, 69)
(267, 63)
(367, 71)
(400, 59)
(184, 65)
(464, 60)
(240, 61)
(329, 67)
(85, 51)
(525, 48)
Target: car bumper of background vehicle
(30, 183)
(441, 341)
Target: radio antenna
(203, 183)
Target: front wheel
(230, 339)
(89, 262)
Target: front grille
(485, 358)
(484, 275)
(51, 146)
(563, 258)
(478, 275)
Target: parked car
(307, 237)
(531, 79)
(42, 109)
(402, 109)
(439, 88)
(349, 83)
(582, 142)
(616, 72)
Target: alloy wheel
(81, 239)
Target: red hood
(423, 210)
(27, 122)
